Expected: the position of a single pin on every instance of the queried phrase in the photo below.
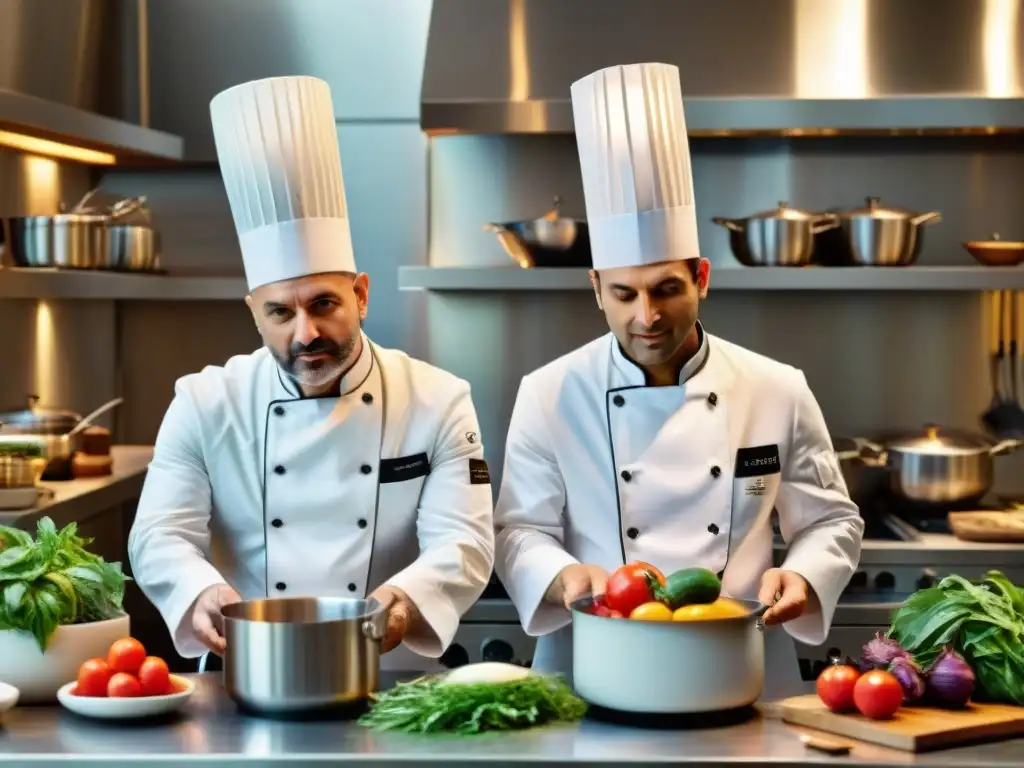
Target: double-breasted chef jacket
(602, 469)
(279, 495)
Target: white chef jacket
(279, 495)
(602, 469)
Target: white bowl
(127, 708)
(39, 675)
(8, 697)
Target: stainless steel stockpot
(295, 655)
(783, 237)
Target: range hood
(783, 67)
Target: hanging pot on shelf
(782, 237)
(552, 240)
(883, 236)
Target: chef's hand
(576, 581)
(792, 591)
(402, 615)
(207, 622)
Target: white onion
(485, 672)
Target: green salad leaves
(53, 580)
(429, 705)
(983, 621)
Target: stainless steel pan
(880, 236)
(296, 655)
(552, 240)
(783, 237)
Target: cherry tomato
(606, 612)
(835, 687)
(629, 587)
(93, 677)
(652, 612)
(122, 685)
(126, 655)
(878, 694)
(154, 677)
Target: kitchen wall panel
(369, 51)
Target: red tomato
(126, 655)
(835, 687)
(629, 587)
(93, 677)
(878, 694)
(122, 685)
(154, 677)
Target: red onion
(950, 680)
(909, 674)
(881, 652)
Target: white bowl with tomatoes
(38, 674)
(125, 683)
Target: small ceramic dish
(128, 708)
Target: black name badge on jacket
(754, 464)
(404, 468)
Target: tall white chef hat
(277, 144)
(635, 159)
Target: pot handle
(869, 449)
(490, 226)
(375, 626)
(926, 218)
(1005, 446)
(732, 224)
(824, 222)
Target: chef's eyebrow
(660, 284)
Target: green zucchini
(690, 586)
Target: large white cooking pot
(668, 667)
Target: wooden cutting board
(912, 729)
(988, 526)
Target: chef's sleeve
(455, 527)
(529, 517)
(819, 522)
(169, 542)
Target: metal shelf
(68, 284)
(738, 116)
(727, 279)
(127, 142)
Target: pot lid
(873, 207)
(785, 211)
(936, 443)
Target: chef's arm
(455, 526)
(170, 538)
(819, 522)
(530, 542)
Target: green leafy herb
(983, 621)
(53, 580)
(429, 705)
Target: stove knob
(497, 650)
(455, 656)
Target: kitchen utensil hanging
(1004, 416)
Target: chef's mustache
(319, 346)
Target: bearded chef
(322, 464)
(660, 442)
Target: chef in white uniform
(660, 442)
(321, 464)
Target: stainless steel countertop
(210, 732)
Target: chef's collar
(636, 376)
(352, 380)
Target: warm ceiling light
(36, 146)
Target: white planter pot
(37, 675)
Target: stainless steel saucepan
(783, 237)
(297, 655)
(881, 236)
(944, 467)
(552, 240)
